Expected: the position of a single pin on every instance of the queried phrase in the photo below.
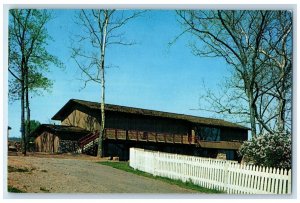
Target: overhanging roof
(69, 106)
(63, 131)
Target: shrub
(270, 150)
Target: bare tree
(101, 28)
(228, 101)
(245, 39)
(279, 66)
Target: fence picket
(272, 181)
(280, 182)
(289, 182)
(266, 179)
(285, 173)
(276, 181)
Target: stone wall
(68, 146)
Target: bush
(270, 150)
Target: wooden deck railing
(134, 135)
(144, 136)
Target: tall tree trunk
(282, 99)
(23, 117)
(281, 113)
(252, 107)
(102, 126)
(100, 152)
(27, 132)
(281, 109)
(252, 118)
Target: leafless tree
(100, 29)
(250, 42)
(278, 51)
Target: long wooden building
(134, 127)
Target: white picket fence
(228, 176)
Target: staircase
(88, 144)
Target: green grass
(14, 190)
(188, 185)
(14, 169)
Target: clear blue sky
(148, 75)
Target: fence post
(131, 157)
(290, 182)
(226, 172)
(154, 163)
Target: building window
(230, 154)
(208, 133)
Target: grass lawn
(188, 185)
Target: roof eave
(59, 114)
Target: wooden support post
(116, 134)
(188, 138)
(137, 135)
(126, 138)
(193, 136)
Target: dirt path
(80, 175)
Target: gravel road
(65, 175)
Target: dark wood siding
(146, 123)
(229, 134)
(86, 119)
